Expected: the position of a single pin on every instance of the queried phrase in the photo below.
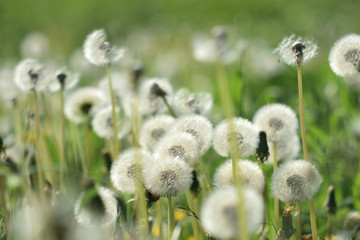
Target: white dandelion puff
(150, 102)
(293, 49)
(110, 204)
(178, 145)
(29, 75)
(295, 181)
(249, 172)
(82, 103)
(153, 129)
(63, 78)
(167, 177)
(277, 120)
(246, 136)
(285, 150)
(35, 45)
(123, 170)
(199, 127)
(102, 123)
(185, 102)
(219, 212)
(100, 52)
(344, 56)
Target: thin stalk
(170, 109)
(276, 200)
(227, 105)
(37, 143)
(329, 226)
(88, 146)
(305, 150)
(62, 140)
(264, 200)
(298, 221)
(159, 217)
(114, 117)
(171, 217)
(206, 174)
(3, 200)
(190, 201)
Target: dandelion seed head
(293, 49)
(123, 170)
(29, 75)
(102, 123)
(295, 181)
(286, 150)
(100, 52)
(199, 127)
(178, 145)
(185, 102)
(153, 129)
(35, 45)
(219, 212)
(150, 102)
(277, 120)
(249, 172)
(83, 102)
(110, 204)
(63, 77)
(167, 177)
(352, 220)
(344, 56)
(245, 135)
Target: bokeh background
(161, 32)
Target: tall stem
(206, 174)
(88, 146)
(190, 201)
(276, 200)
(264, 200)
(62, 140)
(329, 226)
(37, 143)
(171, 217)
(114, 117)
(298, 221)
(3, 200)
(305, 150)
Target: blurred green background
(331, 106)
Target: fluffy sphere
(295, 181)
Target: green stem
(313, 219)
(329, 226)
(171, 217)
(264, 200)
(190, 201)
(88, 146)
(114, 117)
(3, 200)
(170, 109)
(305, 150)
(37, 143)
(298, 221)
(206, 174)
(276, 200)
(62, 140)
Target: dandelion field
(192, 95)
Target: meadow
(171, 75)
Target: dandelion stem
(276, 200)
(264, 200)
(170, 109)
(3, 199)
(329, 226)
(37, 143)
(190, 201)
(304, 144)
(62, 140)
(206, 174)
(227, 105)
(171, 217)
(88, 146)
(114, 118)
(298, 221)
